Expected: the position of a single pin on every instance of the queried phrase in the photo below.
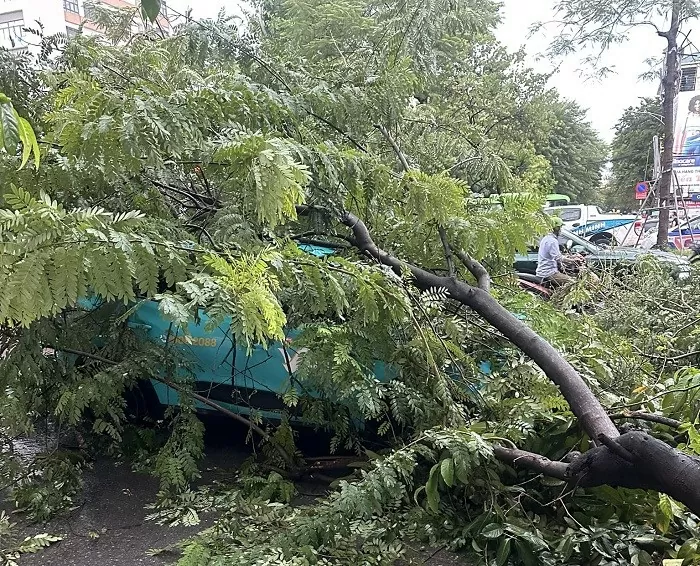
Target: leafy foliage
(51, 257)
(15, 130)
(599, 25)
(235, 149)
(575, 152)
(49, 486)
(12, 548)
(632, 152)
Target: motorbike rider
(550, 260)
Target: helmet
(556, 222)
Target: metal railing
(11, 32)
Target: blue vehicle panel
(214, 360)
(599, 226)
(240, 379)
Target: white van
(590, 222)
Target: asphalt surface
(109, 527)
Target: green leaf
(494, 530)
(525, 553)
(29, 143)
(9, 129)
(665, 512)
(150, 9)
(566, 547)
(503, 552)
(641, 559)
(447, 469)
(688, 549)
(431, 490)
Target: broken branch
(483, 280)
(531, 461)
(642, 416)
(583, 402)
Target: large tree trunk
(667, 109)
(632, 460)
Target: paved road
(113, 508)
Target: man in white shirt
(549, 257)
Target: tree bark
(594, 420)
(668, 112)
(633, 460)
(653, 464)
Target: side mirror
(569, 245)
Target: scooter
(534, 285)
(537, 286)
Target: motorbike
(573, 265)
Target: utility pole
(668, 84)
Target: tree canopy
(575, 152)
(632, 153)
(187, 169)
(591, 27)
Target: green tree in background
(575, 151)
(592, 26)
(632, 154)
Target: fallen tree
(234, 156)
(633, 459)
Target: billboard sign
(686, 145)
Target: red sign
(641, 191)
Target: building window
(71, 6)
(71, 32)
(164, 9)
(11, 31)
(688, 77)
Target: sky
(604, 99)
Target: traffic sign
(641, 190)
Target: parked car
(598, 258)
(591, 222)
(645, 225)
(680, 237)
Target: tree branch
(633, 460)
(584, 404)
(616, 448)
(343, 133)
(448, 251)
(670, 358)
(531, 461)
(406, 168)
(199, 201)
(642, 416)
(394, 146)
(483, 280)
(204, 231)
